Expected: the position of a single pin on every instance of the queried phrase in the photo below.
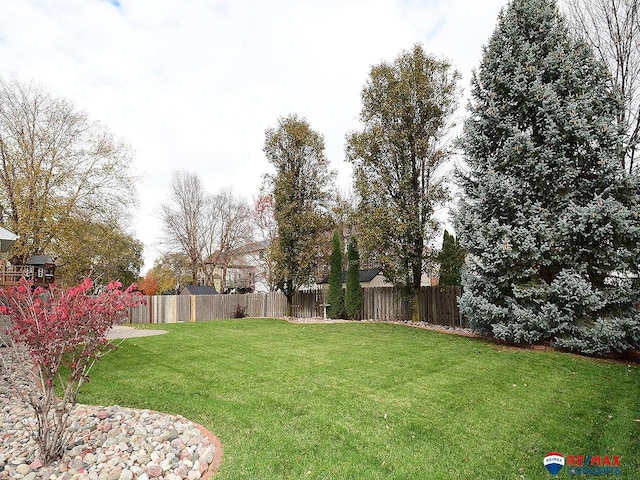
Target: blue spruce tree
(549, 218)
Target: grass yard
(376, 401)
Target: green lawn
(337, 401)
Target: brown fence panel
(141, 313)
(256, 305)
(183, 308)
(438, 305)
(388, 304)
(164, 307)
(214, 307)
(276, 305)
(308, 304)
(234, 304)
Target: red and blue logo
(554, 462)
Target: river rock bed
(109, 443)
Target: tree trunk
(415, 307)
(415, 290)
(289, 294)
(223, 280)
(194, 275)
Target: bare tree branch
(612, 28)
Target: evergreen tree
(451, 259)
(549, 218)
(335, 296)
(353, 296)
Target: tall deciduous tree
(612, 28)
(267, 233)
(353, 294)
(184, 217)
(229, 227)
(102, 251)
(300, 187)
(549, 217)
(335, 295)
(406, 111)
(57, 168)
(451, 259)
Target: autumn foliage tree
(57, 336)
(172, 270)
(59, 169)
(149, 285)
(102, 251)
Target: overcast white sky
(193, 84)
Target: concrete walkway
(120, 331)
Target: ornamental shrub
(60, 334)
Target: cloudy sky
(193, 84)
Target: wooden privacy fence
(196, 308)
(438, 305)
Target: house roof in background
(7, 239)
(40, 260)
(365, 276)
(199, 290)
(246, 249)
(7, 235)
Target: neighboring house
(198, 290)
(244, 273)
(241, 279)
(39, 269)
(373, 277)
(7, 239)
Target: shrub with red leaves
(62, 333)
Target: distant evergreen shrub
(353, 296)
(451, 259)
(335, 296)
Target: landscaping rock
(110, 443)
